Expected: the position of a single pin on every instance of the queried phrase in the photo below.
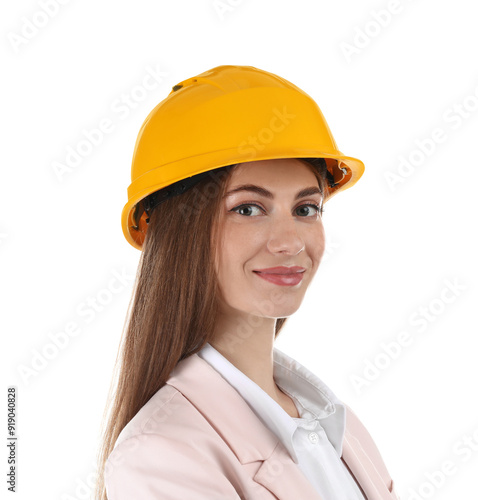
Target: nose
(285, 236)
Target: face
(257, 232)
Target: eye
(319, 209)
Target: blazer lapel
(251, 441)
(363, 469)
(244, 432)
(279, 474)
(285, 480)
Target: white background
(391, 250)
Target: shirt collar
(313, 398)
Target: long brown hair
(173, 307)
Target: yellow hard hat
(228, 115)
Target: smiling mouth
(289, 279)
(280, 274)
(281, 270)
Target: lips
(285, 277)
(281, 270)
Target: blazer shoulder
(167, 451)
(167, 413)
(147, 466)
(151, 414)
(356, 428)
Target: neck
(249, 348)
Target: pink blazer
(197, 439)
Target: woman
(229, 177)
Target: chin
(281, 311)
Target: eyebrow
(308, 191)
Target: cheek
(232, 258)
(319, 243)
(239, 244)
(227, 252)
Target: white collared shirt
(314, 440)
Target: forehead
(291, 171)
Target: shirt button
(314, 437)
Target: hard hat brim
(145, 185)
